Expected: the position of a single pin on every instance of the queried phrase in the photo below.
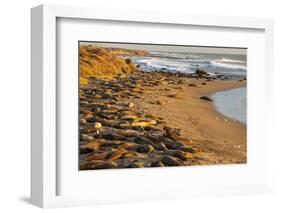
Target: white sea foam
(229, 63)
(188, 62)
(152, 63)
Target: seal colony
(135, 119)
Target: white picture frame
(44, 174)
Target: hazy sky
(172, 48)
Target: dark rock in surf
(200, 72)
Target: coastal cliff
(105, 63)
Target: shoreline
(209, 127)
(224, 90)
(134, 112)
(228, 117)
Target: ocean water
(232, 103)
(232, 65)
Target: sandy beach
(222, 138)
(133, 119)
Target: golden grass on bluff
(105, 63)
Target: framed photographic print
(130, 106)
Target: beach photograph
(158, 105)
